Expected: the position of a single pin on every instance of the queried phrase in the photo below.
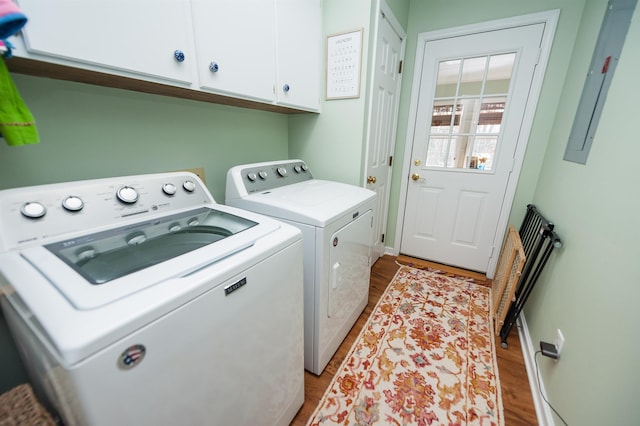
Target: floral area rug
(426, 356)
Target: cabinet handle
(213, 67)
(179, 55)
(286, 88)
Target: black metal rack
(538, 241)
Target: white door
(473, 94)
(383, 120)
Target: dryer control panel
(259, 177)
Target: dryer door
(350, 269)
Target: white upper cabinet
(264, 51)
(149, 38)
(298, 53)
(235, 45)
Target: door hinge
(382, 238)
(390, 160)
(400, 68)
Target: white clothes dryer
(139, 300)
(336, 221)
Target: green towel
(17, 125)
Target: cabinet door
(138, 36)
(298, 49)
(235, 47)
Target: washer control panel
(261, 177)
(37, 214)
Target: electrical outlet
(198, 171)
(559, 342)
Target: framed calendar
(344, 60)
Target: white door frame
(383, 8)
(550, 19)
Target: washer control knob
(282, 171)
(33, 210)
(175, 227)
(263, 175)
(193, 222)
(86, 253)
(169, 189)
(297, 169)
(252, 176)
(189, 186)
(127, 194)
(304, 167)
(72, 203)
(136, 238)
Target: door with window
(473, 94)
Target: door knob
(371, 179)
(415, 176)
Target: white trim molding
(543, 411)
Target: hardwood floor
(516, 394)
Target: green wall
(91, 132)
(332, 143)
(400, 9)
(590, 290)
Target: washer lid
(96, 269)
(314, 202)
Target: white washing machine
(139, 300)
(336, 221)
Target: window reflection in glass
(469, 104)
(448, 72)
(445, 118)
(472, 78)
(437, 152)
(499, 73)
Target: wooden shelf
(62, 72)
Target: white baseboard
(543, 411)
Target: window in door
(469, 102)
